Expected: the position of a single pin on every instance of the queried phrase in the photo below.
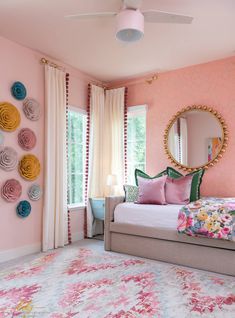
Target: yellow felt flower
(29, 167)
(202, 215)
(9, 117)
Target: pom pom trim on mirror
(224, 137)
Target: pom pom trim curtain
(106, 147)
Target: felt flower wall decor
(18, 91)
(8, 158)
(23, 209)
(31, 109)
(35, 192)
(9, 117)
(11, 190)
(29, 167)
(26, 139)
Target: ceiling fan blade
(154, 16)
(91, 15)
(132, 4)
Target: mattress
(163, 216)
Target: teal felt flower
(18, 90)
(23, 209)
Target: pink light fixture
(130, 25)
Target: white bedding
(164, 216)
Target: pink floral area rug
(83, 283)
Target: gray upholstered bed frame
(163, 245)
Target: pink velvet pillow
(178, 190)
(152, 191)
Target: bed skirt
(213, 258)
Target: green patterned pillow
(196, 182)
(131, 193)
(139, 173)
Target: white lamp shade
(130, 25)
(111, 180)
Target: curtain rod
(50, 63)
(98, 84)
(151, 79)
(106, 88)
(148, 81)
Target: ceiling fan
(130, 20)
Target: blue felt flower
(18, 90)
(23, 209)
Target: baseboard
(8, 255)
(77, 236)
(11, 254)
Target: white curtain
(184, 141)
(106, 146)
(96, 180)
(55, 191)
(114, 137)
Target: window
(136, 141)
(76, 135)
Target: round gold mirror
(195, 137)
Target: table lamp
(112, 182)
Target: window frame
(80, 205)
(136, 111)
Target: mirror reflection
(195, 138)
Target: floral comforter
(209, 217)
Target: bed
(159, 216)
(150, 231)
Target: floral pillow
(131, 193)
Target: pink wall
(211, 84)
(22, 64)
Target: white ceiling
(90, 45)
